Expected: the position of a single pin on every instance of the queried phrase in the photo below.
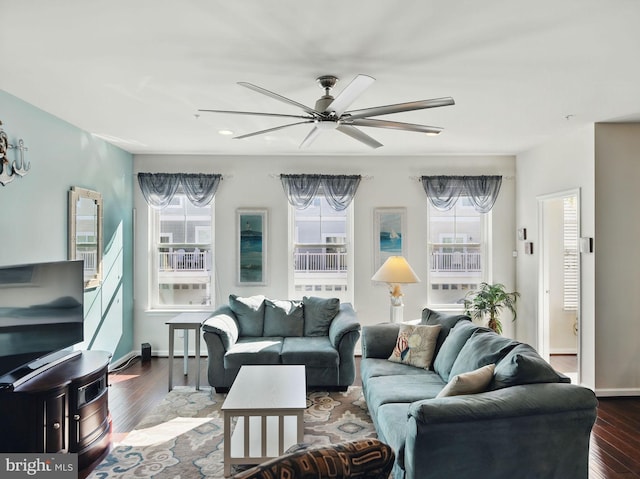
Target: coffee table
(269, 403)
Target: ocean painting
(390, 226)
(391, 233)
(251, 261)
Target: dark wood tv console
(63, 409)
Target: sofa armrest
(345, 322)
(223, 323)
(527, 425)
(379, 340)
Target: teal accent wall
(33, 212)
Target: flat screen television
(41, 316)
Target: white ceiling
(136, 71)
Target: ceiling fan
(331, 113)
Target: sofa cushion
(451, 347)
(312, 352)
(249, 313)
(407, 388)
(374, 367)
(283, 318)
(253, 351)
(392, 428)
(481, 348)
(446, 321)
(472, 382)
(415, 345)
(318, 314)
(523, 365)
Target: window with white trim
(458, 249)
(321, 251)
(181, 245)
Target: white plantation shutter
(570, 241)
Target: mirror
(85, 232)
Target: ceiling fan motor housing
(326, 82)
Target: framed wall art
(252, 246)
(390, 226)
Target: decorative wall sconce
(522, 234)
(10, 169)
(528, 247)
(586, 244)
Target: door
(559, 288)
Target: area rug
(183, 436)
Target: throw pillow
(482, 348)
(451, 347)
(283, 318)
(523, 365)
(447, 321)
(415, 345)
(472, 382)
(249, 313)
(318, 314)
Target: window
(570, 253)
(182, 251)
(457, 243)
(320, 244)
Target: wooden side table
(186, 321)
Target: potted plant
(489, 301)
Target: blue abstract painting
(251, 260)
(391, 233)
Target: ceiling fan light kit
(331, 113)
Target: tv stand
(21, 375)
(61, 409)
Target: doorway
(559, 277)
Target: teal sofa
(318, 333)
(528, 422)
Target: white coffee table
(269, 403)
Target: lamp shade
(396, 270)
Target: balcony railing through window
(320, 262)
(456, 261)
(181, 260)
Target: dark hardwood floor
(615, 441)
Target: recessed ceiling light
(225, 132)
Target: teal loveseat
(318, 333)
(527, 422)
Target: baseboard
(615, 392)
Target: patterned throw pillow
(415, 345)
(368, 458)
(472, 382)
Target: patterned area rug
(183, 436)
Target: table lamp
(396, 271)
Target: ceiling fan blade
(396, 125)
(400, 107)
(347, 96)
(353, 132)
(310, 138)
(281, 98)
(257, 113)
(268, 130)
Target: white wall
(388, 182)
(617, 176)
(562, 164)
